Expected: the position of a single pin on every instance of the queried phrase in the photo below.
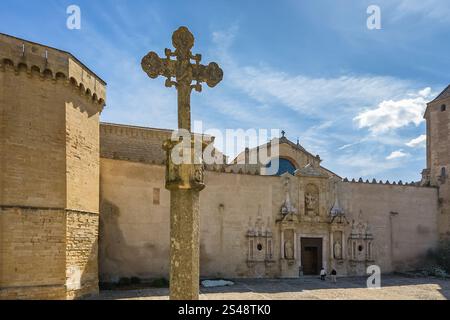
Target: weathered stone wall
(134, 231)
(32, 251)
(136, 144)
(438, 155)
(134, 236)
(49, 177)
(30, 145)
(403, 220)
(133, 143)
(81, 254)
(82, 155)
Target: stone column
(184, 245)
(332, 244)
(185, 181)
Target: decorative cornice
(143, 132)
(56, 77)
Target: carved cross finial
(181, 73)
(283, 134)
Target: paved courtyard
(393, 288)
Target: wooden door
(311, 255)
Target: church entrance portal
(311, 255)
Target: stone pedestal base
(184, 245)
(289, 269)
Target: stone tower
(437, 116)
(49, 172)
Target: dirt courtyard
(308, 288)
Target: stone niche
(260, 247)
(289, 259)
(311, 200)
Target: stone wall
(134, 231)
(133, 143)
(438, 155)
(403, 220)
(49, 172)
(32, 250)
(81, 254)
(134, 236)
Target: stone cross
(184, 72)
(184, 180)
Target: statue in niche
(312, 200)
(338, 250)
(288, 250)
(287, 206)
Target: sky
(314, 69)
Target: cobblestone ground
(393, 288)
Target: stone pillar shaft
(184, 245)
(185, 181)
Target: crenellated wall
(49, 172)
(403, 220)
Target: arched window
(285, 165)
(443, 108)
(443, 173)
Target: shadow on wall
(117, 259)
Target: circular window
(360, 248)
(259, 247)
(283, 165)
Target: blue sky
(313, 68)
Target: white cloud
(396, 155)
(419, 142)
(437, 10)
(325, 106)
(322, 97)
(394, 114)
(363, 164)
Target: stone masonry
(83, 201)
(49, 148)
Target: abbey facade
(83, 201)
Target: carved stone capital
(186, 172)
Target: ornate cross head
(181, 69)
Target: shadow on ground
(308, 288)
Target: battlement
(49, 63)
(387, 183)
